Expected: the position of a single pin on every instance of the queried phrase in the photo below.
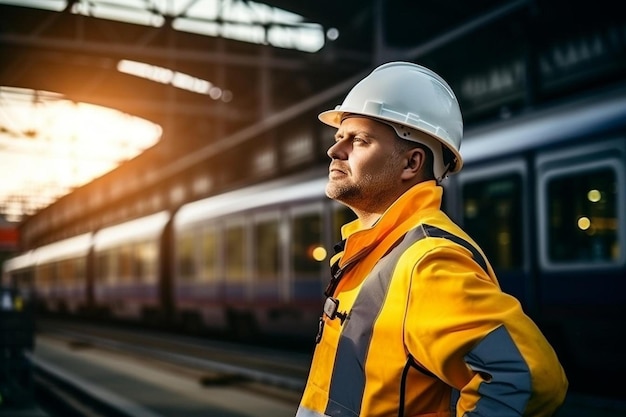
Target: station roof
(196, 67)
(128, 56)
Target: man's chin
(332, 191)
(337, 192)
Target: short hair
(403, 145)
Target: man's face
(365, 166)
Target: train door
(307, 268)
(198, 282)
(581, 195)
(306, 242)
(268, 279)
(236, 261)
(493, 211)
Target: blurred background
(162, 169)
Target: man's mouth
(336, 169)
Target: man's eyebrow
(345, 133)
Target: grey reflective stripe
(305, 412)
(348, 378)
(509, 387)
(433, 231)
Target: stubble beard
(365, 195)
(344, 192)
(370, 193)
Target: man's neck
(367, 219)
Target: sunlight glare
(49, 145)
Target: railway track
(277, 367)
(92, 371)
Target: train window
(306, 247)
(66, 272)
(492, 213)
(105, 267)
(235, 254)
(45, 278)
(80, 270)
(266, 245)
(582, 216)
(146, 261)
(71, 271)
(209, 253)
(125, 266)
(341, 216)
(185, 256)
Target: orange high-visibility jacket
(426, 331)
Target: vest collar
(401, 216)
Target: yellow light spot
(584, 223)
(319, 253)
(594, 196)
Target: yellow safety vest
(420, 327)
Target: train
(543, 193)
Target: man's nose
(337, 151)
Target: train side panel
(581, 251)
(257, 268)
(552, 220)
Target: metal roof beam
(190, 55)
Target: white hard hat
(413, 100)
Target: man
(415, 323)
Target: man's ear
(414, 160)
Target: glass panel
(582, 216)
(110, 261)
(66, 272)
(80, 270)
(209, 254)
(492, 216)
(103, 267)
(266, 246)
(146, 261)
(125, 266)
(235, 253)
(45, 278)
(307, 244)
(184, 256)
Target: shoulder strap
(433, 231)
